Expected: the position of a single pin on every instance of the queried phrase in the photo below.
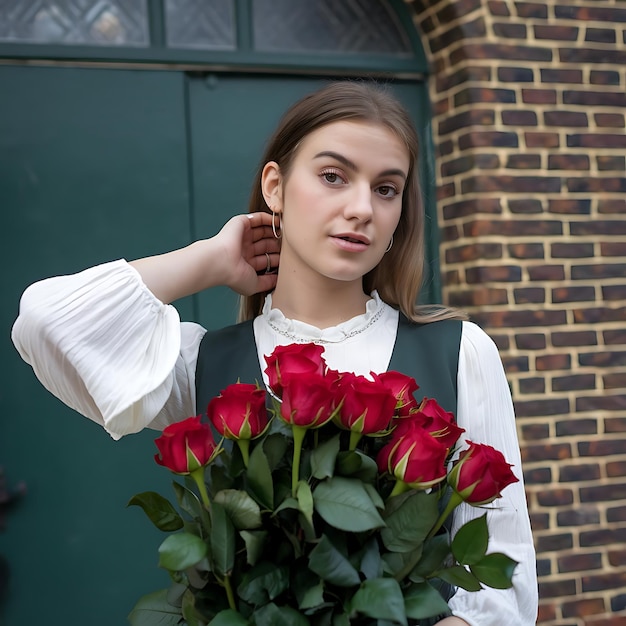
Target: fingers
(266, 262)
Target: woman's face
(341, 201)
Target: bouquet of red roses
(326, 502)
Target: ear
(272, 186)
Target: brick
(457, 166)
(616, 514)
(544, 567)
(489, 139)
(602, 447)
(445, 82)
(511, 184)
(573, 294)
(613, 248)
(606, 270)
(571, 250)
(534, 408)
(507, 30)
(530, 341)
(539, 521)
(532, 385)
(539, 96)
(541, 140)
(551, 75)
(546, 272)
(602, 359)
(576, 338)
(546, 612)
(526, 250)
(602, 582)
(611, 163)
(604, 77)
(614, 292)
(610, 120)
(493, 273)
(449, 233)
(558, 588)
(597, 185)
(553, 362)
(467, 29)
(600, 35)
(538, 476)
(446, 191)
(614, 337)
(587, 606)
(596, 98)
(602, 536)
(501, 51)
(600, 314)
(579, 162)
(471, 207)
(601, 14)
(528, 295)
(524, 161)
(616, 559)
(498, 8)
(452, 12)
(547, 452)
(515, 363)
(525, 205)
(555, 497)
(574, 382)
(445, 148)
(516, 75)
(580, 516)
(618, 603)
(531, 9)
(474, 117)
(519, 118)
(614, 381)
(581, 55)
(518, 319)
(597, 140)
(471, 95)
(615, 424)
(556, 33)
(502, 341)
(566, 118)
(579, 473)
(569, 205)
(571, 427)
(478, 297)
(618, 468)
(603, 403)
(598, 227)
(611, 205)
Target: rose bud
(435, 420)
(365, 406)
(308, 401)
(239, 411)
(480, 474)
(186, 446)
(298, 359)
(414, 458)
(403, 387)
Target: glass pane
(204, 24)
(90, 22)
(359, 26)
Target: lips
(353, 238)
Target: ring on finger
(268, 269)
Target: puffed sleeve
(104, 345)
(485, 411)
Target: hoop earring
(390, 245)
(280, 226)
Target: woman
(330, 252)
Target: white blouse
(104, 345)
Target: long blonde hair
(398, 277)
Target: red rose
(299, 359)
(434, 419)
(307, 401)
(403, 387)
(480, 474)
(186, 446)
(366, 406)
(415, 458)
(239, 411)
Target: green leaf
(323, 458)
(409, 524)
(180, 551)
(154, 610)
(255, 542)
(276, 443)
(495, 570)
(345, 504)
(305, 500)
(159, 510)
(434, 554)
(329, 564)
(470, 542)
(272, 615)
(228, 618)
(371, 565)
(189, 609)
(460, 577)
(222, 539)
(357, 465)
(263, 582)
(380, 598)
(190, 503)
(259, 477)
(243, 511)
(308, 588)
(377, 499)
(422, 600)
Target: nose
(359, 205)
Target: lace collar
(300, 332)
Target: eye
(387, 191)
(332, 177)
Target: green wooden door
(98, 164)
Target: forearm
(452, 621)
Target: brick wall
(529, 104)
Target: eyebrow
(350, 165)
